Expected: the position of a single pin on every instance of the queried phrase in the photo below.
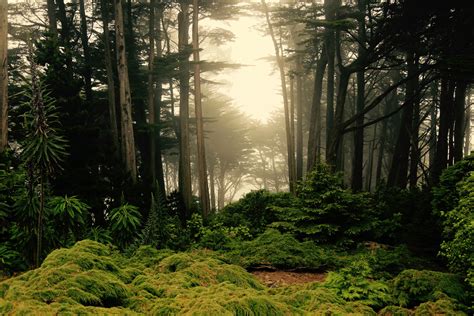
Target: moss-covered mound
(91, 278)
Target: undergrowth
(92, 278)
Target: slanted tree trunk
(110, 76)
(87, 54)
(3, 75)
(281, 66)
(128, 141)
(201, 147)
(185, 186)
(314, 138)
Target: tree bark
(459, 112)
(185, 186)
(3, 75)
(53, 27)
(299, 116)
(281, 66)
(110, 76)
(467, 133)
(329, 40)
(128, 141)
(415, 151)
(201, 146)
(358, 160)
(151, 90)
(87, 55)
(314, 138)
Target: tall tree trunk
(201, 146)
(299, 116)
(185, 186)
(151, 90)
(459, 110)
(357, 163)
(445, 109)
(329, 40)
(212, 186)
(157, 162)
(128, 141)
(87, 55)
(65, 37)
(467, 132)
(415, 151)
(3, 75)
(281, 66)
(110, 76)
(433, 123)
(398, 175)
(314, 137)
(53, 27)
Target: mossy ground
(91, 278)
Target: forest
(148, 166)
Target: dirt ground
(281, 278)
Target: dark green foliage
(326, 212)
(254, 210)
(445, 194)
(458, 231)
(124, 224)
(274, 249)
(353, 283)
(412, 287)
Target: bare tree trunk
(110, 76)
(281, 66)
(357, 163)
(415, 151)
(128, 141)
(299, 117)
(398, 175)
(459, 112)
(467, 133)
(87, 55)
(329, 40)
(185, 186)
(445, 108)
(433, 123)
(53, 27)
(212, 186)
(151, 90)
(315, 127)
(3, 75)
(201, 146)
(158, 154)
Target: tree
(201, 147)
(3, 75)
(184, 152)
(128, 141)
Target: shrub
(254, 210)
(458, 223)
(354, 283)
(412, 287)
(326, 212)
(274, 249)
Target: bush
(326, 212)
(254, 210)
(274, 249)
(458, 245)
(412, 287)
(354, 283)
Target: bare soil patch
(282, 278)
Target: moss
(440, 307)
(395, 311)
(412, 287)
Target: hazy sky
(254, 88)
